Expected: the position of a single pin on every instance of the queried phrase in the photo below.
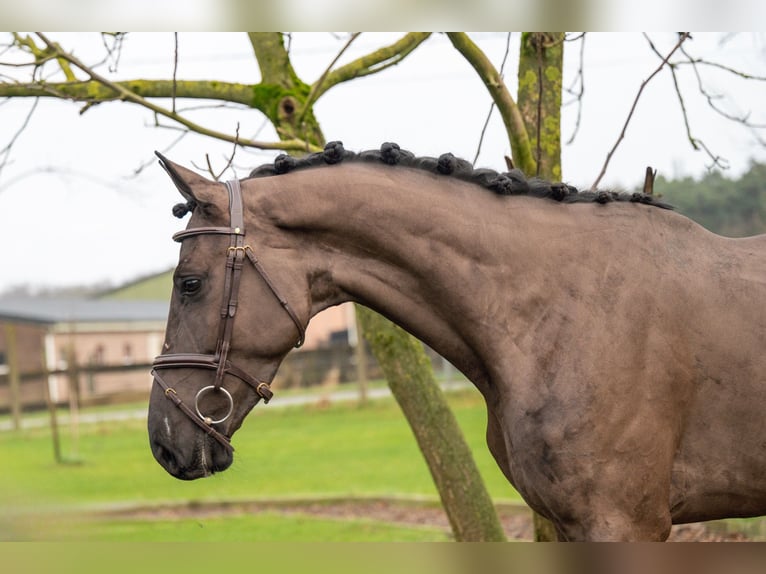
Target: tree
(532, 121)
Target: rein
(236, 254)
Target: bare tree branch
(316, 89)
(6, 151)
(700, 62)
(175, 70)
(514, 123)
(62, 172)
(114, 50)
(124, 94)
(229, 163)
(696, 143)
(744, 118)
(682, 38)
(94, 92)
(577, 88)
(371, 63)
(151, 160)
(492, 105)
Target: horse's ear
(184, 179)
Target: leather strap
(218, 362)
(183, 234)
(171, 394)
(234, 262)
(285, 305)
(200, 361)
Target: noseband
(218, 362)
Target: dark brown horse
(618, 345)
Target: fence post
(74, 399)
(51, 408)
(14, 380)
(360, 352)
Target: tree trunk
(539, 98)
(410, 376)
(541, 62)
(284, 96)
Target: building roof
(54, 310)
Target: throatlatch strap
(285, 305)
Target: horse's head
(230, 325)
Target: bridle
(218, 362)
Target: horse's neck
(425, 252)
(395, 230)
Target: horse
(617, 344)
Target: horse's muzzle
(202, 458)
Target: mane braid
(513, 182)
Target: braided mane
(512, 182)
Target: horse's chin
(203, 460)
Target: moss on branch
(94, 91)
(539, 97)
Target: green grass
(313, 452)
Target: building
(101, 342)
(334, 326)
(106, 344)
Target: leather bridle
(236, 254)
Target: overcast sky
(72, 210)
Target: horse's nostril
(165, 457)
(194, 456)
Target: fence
(90, 384)
(80, 385)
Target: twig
(153, 159)
(699, 61)
(682, 38)
(492, 104)
(315, 89)
(578, 95)
(6, 151)
(113, 52)
(695, 142)
(710, 97)
(175, 70)
(229, 163)
(61, 171)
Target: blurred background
(86, 258)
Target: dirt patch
(516, 519)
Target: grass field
(311, 452)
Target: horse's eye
(190, 285)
